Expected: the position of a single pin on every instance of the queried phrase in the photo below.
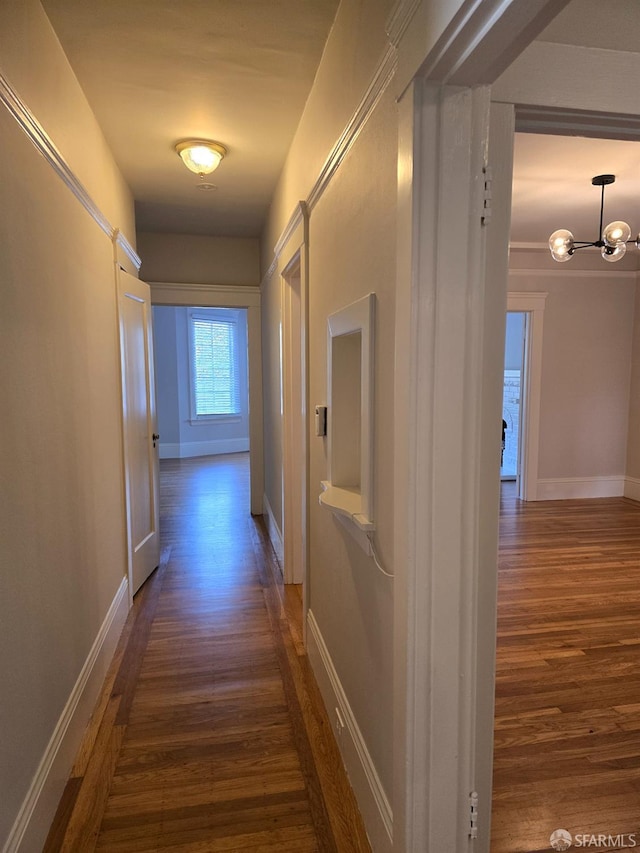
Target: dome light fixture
(612, 241)
(200, 156)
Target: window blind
(216, 373)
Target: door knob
(155, 437)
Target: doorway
(512, 395)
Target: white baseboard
(30, 829)
(189, 449)
(632, 488)
(274, 531)
(372, 800)
(580, 487)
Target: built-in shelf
(346, 502)
(348, 491)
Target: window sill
(215, 419)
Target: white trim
(632, 488)
(400, 18)
(34, 819)
(296, 220)
(484, 37)
(275, 535)
(381, 78)
(38, 136)
(528, 247)
(214, 447)
(370, 794)
(605, 272)
(183, 293)
(121, 242)
(568, 488)
(567, 122)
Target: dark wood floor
(210, 735)
(567, 739)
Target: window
(215, 363)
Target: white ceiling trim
(380, 80)
(573, 273)
(43, 143)
(400, 18)
(184, 293)
(568, 122)
(382, 76)
(485, 37)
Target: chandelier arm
(601, 213)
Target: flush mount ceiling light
(200, 155)
(612, 241)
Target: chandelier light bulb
(612, 256)
(561, 245)
(201, 156)
(616, 232)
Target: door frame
(294, 427)
(532, 304)
(220, 296)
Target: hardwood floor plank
(202, 737)
(567, 719)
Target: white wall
(351, 252)
(586, 367)
(62, 533)
(179, 437)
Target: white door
(140, 439)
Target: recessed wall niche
(350, 346)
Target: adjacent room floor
(567, 739)
(210, 735)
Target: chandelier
(612, 241)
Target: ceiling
(158, 71)
(552, 174)
(239, 72)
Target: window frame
(231, 317)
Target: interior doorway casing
(218, 296)
(532, 304)
(294, 432)
(291, 265)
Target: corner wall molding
(120, 240)
(381, 78)
(38, 808)
(372, 799)
(43, 143)
(400, 18)
(273, 530)
(571, 488)
(298, 217)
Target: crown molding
(567, 122)
(382, 77)
(605, 272)
(43, 143)
(299, 217)
(400, 18)
(121, 241)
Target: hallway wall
(198, 259)
(586, 367)
(62, 534)
(352, 242)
